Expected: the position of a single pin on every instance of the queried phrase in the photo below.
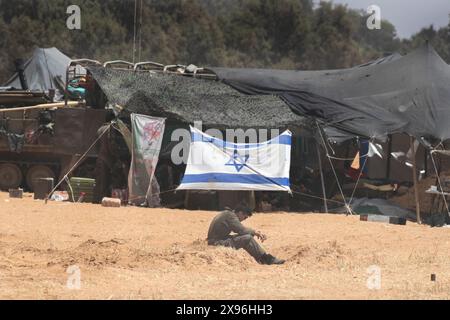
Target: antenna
(134, 34)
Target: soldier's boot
(270, 259)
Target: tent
(409, 94)
(396, 94)
(42, 69)
(185, 99)
(402, 94)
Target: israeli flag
(214, 164)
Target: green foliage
(236, 33)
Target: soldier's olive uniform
(219, 234)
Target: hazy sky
(408, 16)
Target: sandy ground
(137, 253)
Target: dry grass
(135, 253)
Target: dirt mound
(94, 253)
(330, 254)
(117, 252)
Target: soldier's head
(243, 211)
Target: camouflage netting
(188, 99)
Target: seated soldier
(228, 221)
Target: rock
(111, 202)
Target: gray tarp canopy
(187, 99)
(41, 70)
(409, 94)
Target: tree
(290, 34)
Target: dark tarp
(378, 206)
(188, 99)
(408, 94)
(41, 70)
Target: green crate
(79, 185)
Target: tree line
(290, 34)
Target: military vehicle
(39, 138)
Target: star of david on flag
(214, 164)
(237, 161)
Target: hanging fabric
(147, 134)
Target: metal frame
(168, 68)
(154, 65)
(145, 66)
(112, 64)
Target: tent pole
(321, 178)
(388, 164)
(416, 188)
(347, 205)
(77, 163)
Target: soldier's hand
(261, 236)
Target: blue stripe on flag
(233, 178)
(281, 139)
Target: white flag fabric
(214, 164)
